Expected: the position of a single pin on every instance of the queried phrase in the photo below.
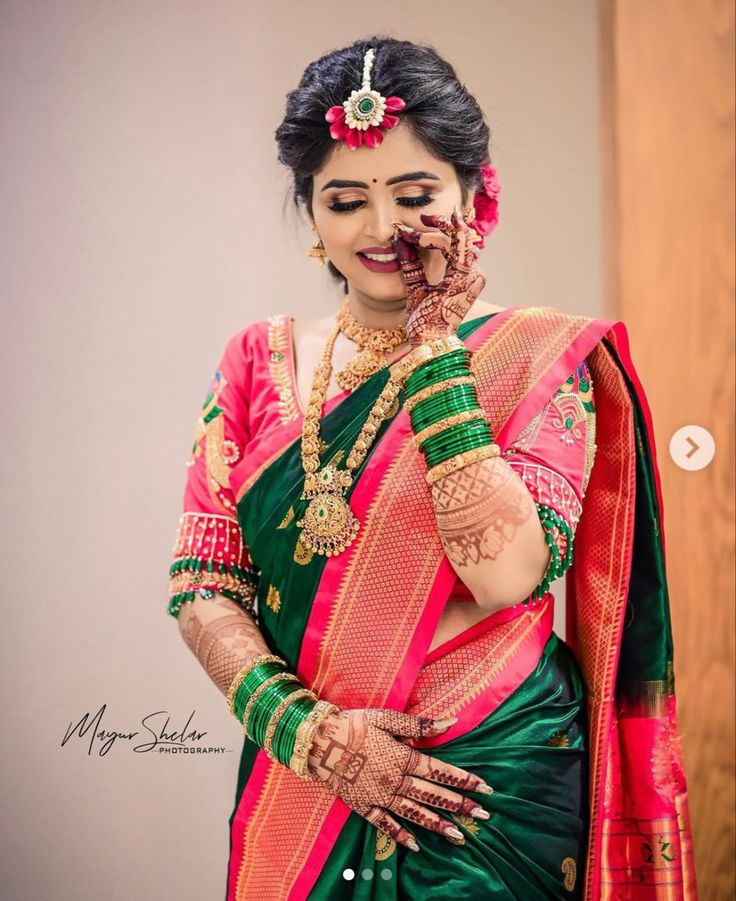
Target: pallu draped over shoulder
(578, 737)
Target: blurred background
(144, 221)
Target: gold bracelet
(304, 735)
(464, 458)
(278, 713)
(447, 423)
(243, 672)
(437, 388)
(436, 347)
(277, 677)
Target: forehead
(399, 152)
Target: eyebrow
(410, 176)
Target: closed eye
(340, 207)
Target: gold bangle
(305, 732)
(437, 388)
(243, 672)
(448, 422)
(277, 677)
(278, 713)
(458, 461)
(402, 369)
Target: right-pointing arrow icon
(692, 447)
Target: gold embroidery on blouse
(559, 739)
(570, 869)
(273, 599)
(279, 367)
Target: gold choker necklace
(374, 344)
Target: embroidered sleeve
(209, 553)
(554, 457)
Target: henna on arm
(222, 636)
(491, 533)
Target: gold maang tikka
(374, 344)
(328, 524)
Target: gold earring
(469, 215)
(317, 250)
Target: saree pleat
(538, 718)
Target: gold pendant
(366, 363)
(328, 525)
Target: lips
(379, 265)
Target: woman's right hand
(355, 753)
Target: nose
(378, 227)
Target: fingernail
(445, 722)
(455, 834)
(410, 843)
(485, 789)
(480, 813)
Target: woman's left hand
(435, 310)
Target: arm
(222, 636)
(487, 512)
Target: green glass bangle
(254, 678)
(455, 434)
(421, 379)
(458, 446)
(263, 709)
(427, 371)
(451, 434)
(264, 706)
(285, 735)
(457, 353)
(258, 722)
(440, 456)
(437, 413)
(453, 395)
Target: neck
(377, 314)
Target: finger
(434, 770)
(410, 235)
(396, 722)
(436, 241)
(429, 793)
(383, 820)
(441, 223)
(422, 815)
(411, 265)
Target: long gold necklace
(329, 525)
(374, 344)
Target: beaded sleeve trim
(210, 555)
(550, 488)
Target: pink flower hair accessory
(486, 205)
(366, 114)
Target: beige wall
(668, 118)
(141, 226)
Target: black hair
(440, 111)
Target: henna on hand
(375, 773)
(435, 310)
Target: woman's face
(358, 193)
